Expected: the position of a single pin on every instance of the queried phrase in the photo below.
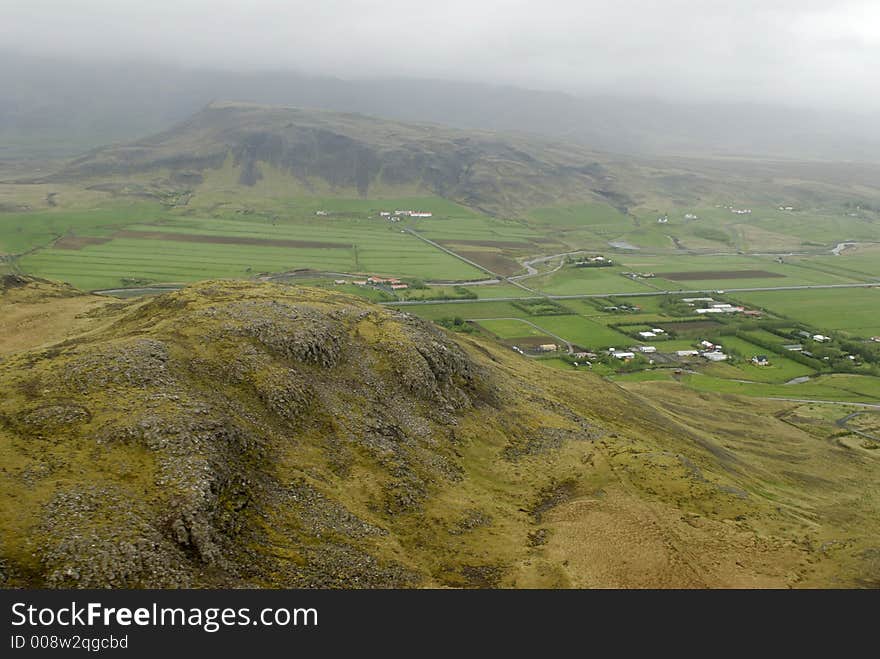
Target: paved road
(569, 347)
(646, 293)
(845, 420)
(532, 271)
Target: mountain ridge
(78, 104)
(355, 153)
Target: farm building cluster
(389, 283)
(597, 261)
(395, 216)
(737, 211)
(708, 305)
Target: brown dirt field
(227, 240)
(717, 274)
(500, 244)
(493, 261)
(78, 242)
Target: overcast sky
(784, 51)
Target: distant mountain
(52, 107)
(353, 154)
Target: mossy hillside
(240, 434)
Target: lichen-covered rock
(101, 537)
(133, 363)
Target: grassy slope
(710, 491)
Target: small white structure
(623, 355)
(648, 335)
(690, 216)
(687, 353)
(647, 349)
(548, 347)
(715, 356)
(821, 338)
(721, 308)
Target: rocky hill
(234, 434)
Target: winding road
(843, 423)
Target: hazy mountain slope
(60, 107)
(241, 434)
(354, 154)
(239, 150)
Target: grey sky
(788, 51)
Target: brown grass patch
(493, 261)
(227, 240)
(717, 274)
(78, 242)
(499, 244)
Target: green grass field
(591, 215)
(836, 387)
(20, 232)
(584, 332)
(779, 370)
(367, 246)
(745, 272)
(580, 281)
(474, 310)
(108, 245)
(853, 310)
(511, 329)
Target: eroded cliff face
(240, 434)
